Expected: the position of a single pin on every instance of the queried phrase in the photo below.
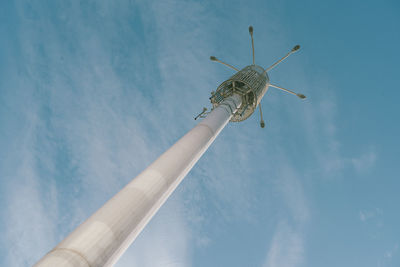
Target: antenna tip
(262, 124)
(301, 96)
(295, 48)
(251, 30)
(213, 58)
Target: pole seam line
(75, 252)
(209, 128)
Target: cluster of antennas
(251, 83)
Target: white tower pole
(102, 238)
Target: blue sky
(92, 92)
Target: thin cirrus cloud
(287, 247)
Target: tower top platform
(251, 83)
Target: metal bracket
(203, 114)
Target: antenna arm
(262, 123)
(288, 91)
(252, 42)
(212, 58)
(294, 49)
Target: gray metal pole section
(102, 238)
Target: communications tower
(104, 236)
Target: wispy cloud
(292, 191)
(366, 215)
(288, 244)
(287, 247)
(391, 252)
(30, 204)
(364, 162)
(390, 257)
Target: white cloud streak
(288, 243)
(286, 249)
(366, 215)
(364, 162)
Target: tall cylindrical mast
(102, 238)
